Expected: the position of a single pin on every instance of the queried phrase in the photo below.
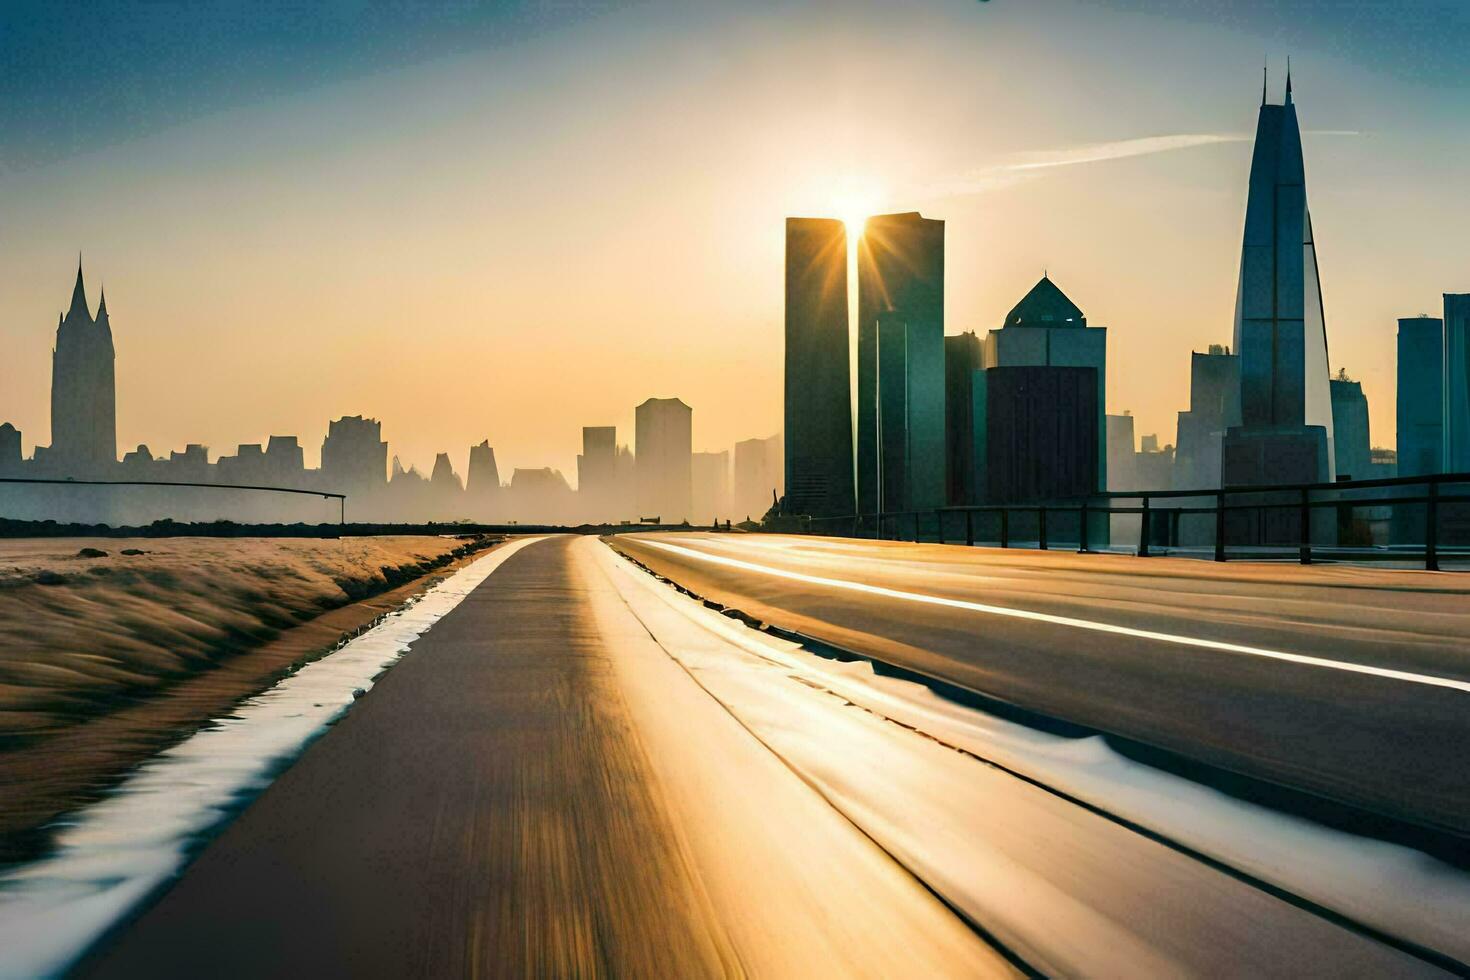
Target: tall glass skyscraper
(901, 270)
(1285, 435)
(818, 387)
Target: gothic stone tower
(83, 390)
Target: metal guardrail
(341, 498)
(1304, 499)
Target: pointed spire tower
(83, 389)
(78, 312)
(1280, 327)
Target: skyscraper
(1457, 382)
(1419, 410)
(83, 389)
(664, 444)
(901, 269)
(818, 407)
(1285, 435)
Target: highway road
(580, 771)
(1351, 683)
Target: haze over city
(585, 203)
(953, 488)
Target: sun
(854, 199)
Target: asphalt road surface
(1377, 717)
(574, 774)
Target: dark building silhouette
(901, 269)
(354, 455)
(818, 408)
(664, 443)
(83, 390)
(1047, 329)
(1042, 433)
(1285, 435)
(910, 418)
(10, 450)
(963, 356)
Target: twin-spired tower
(1285, 431)
(83, 389)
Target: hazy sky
(510, 221)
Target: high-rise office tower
(1351, 442)
(963, 356)
(1456, 382)
(83, 389)
(818, 407)
(1285, 434)
(1419, 410)
(663, 434)
(901, 270)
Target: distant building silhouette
(1456, 382)
(1351, 442)
(1214, 406)
(664, 438)
(1122, 447)
(757, 478)
(354, 455)
(482, 481)
(901, 270)
(83, 390)
(1285, 435)
(10, 450)
(818, 405)
(597, 472)
(710, 473)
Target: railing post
(1082, 528)
(916, 527)
(1041, 527)
(1220, 524)
(939, 524)
(1306, 521)
(1431, 529)
(970, 528)
(1005, 527)
(1143, 532)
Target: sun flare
(854, 200)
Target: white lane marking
(1082, 624)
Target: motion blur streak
(1084, 624)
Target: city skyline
(309, 301)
